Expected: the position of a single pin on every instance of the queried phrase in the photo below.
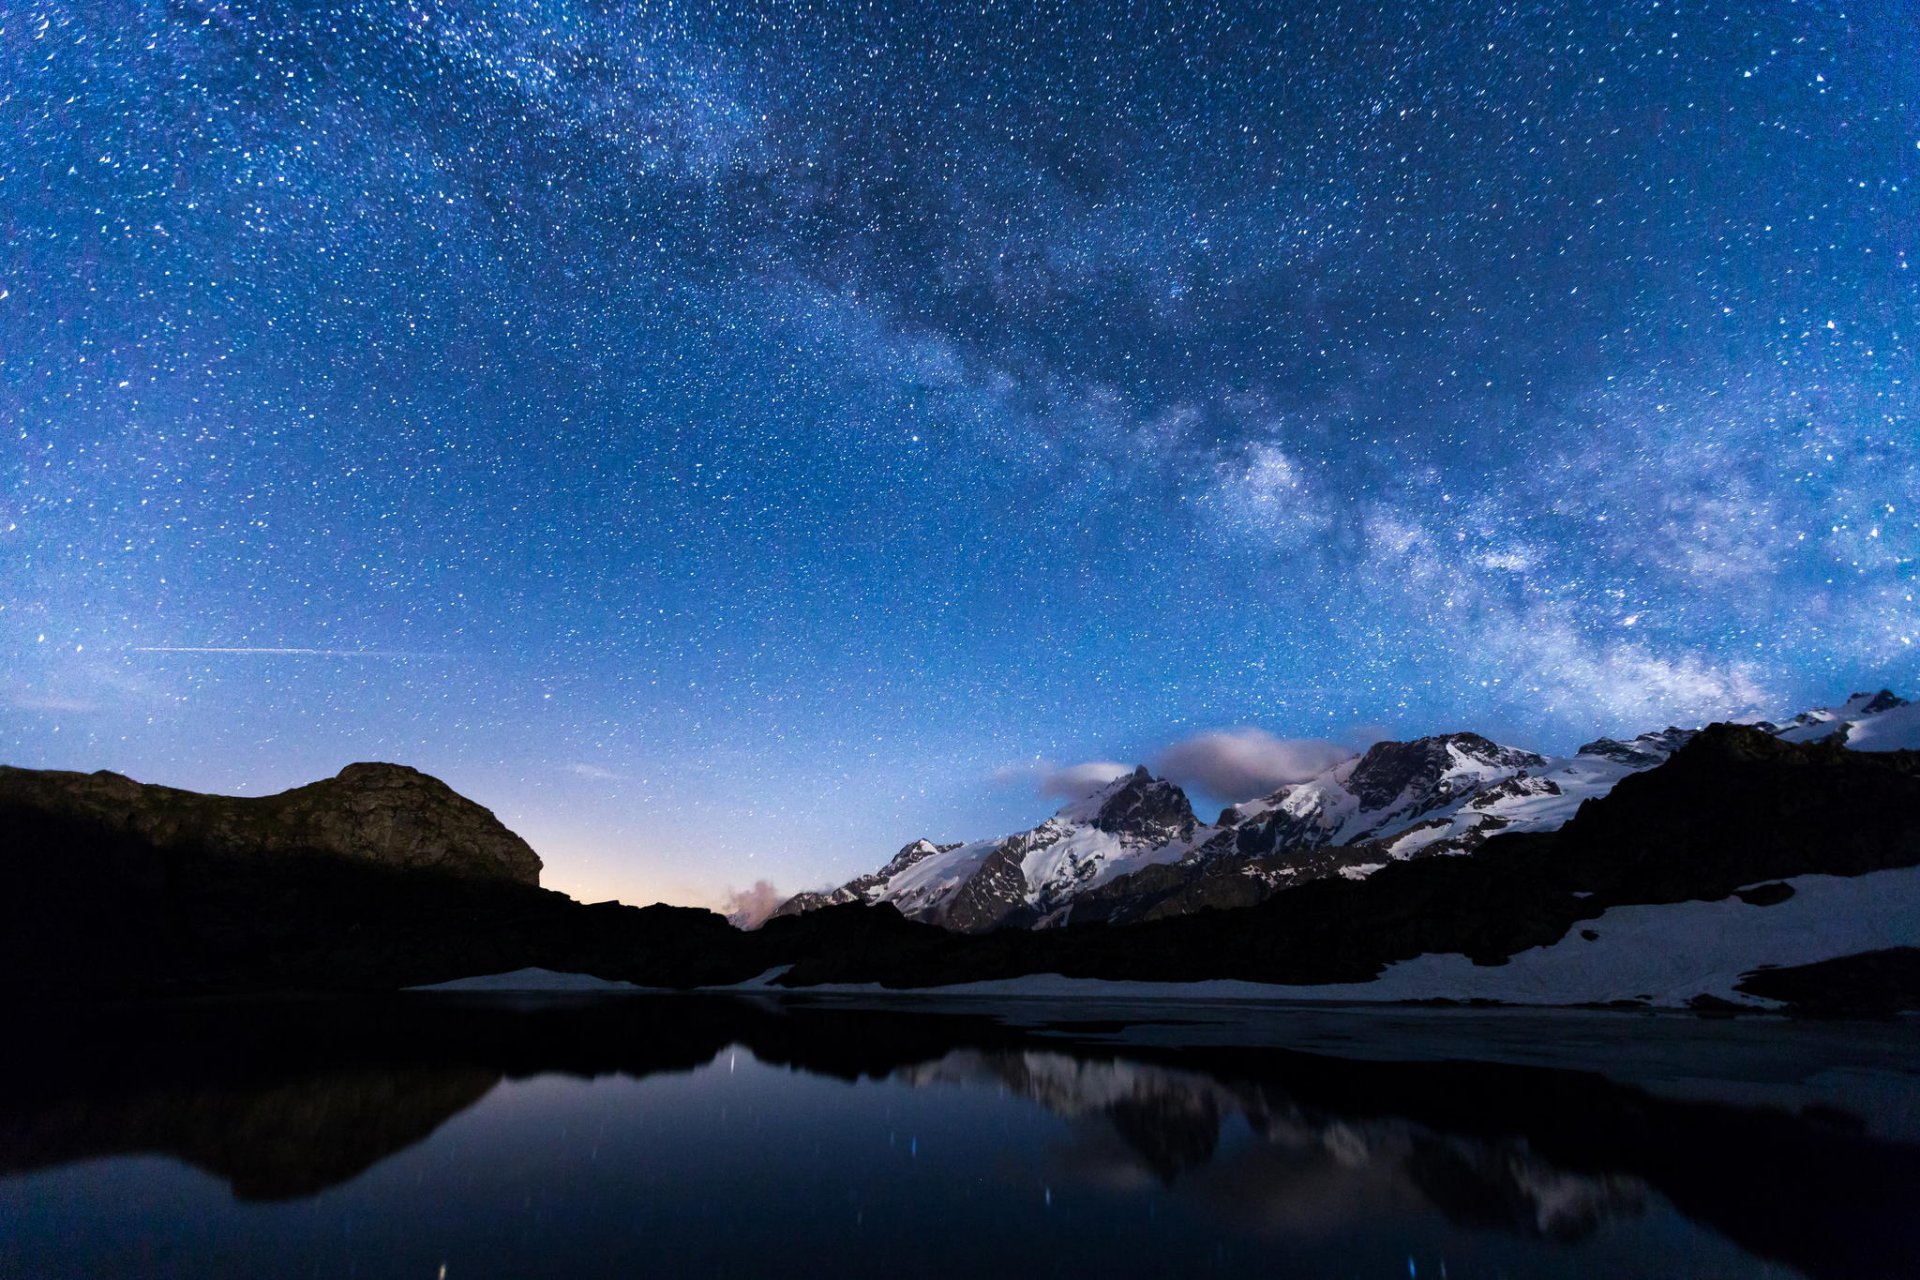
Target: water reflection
(1240, 1151)
(1304, 1170)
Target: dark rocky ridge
(379, 813)
(1869, 984)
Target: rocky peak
(374, 812)
(912, 853)
(1642, 752)
(1388, 769)
(1873, 704)
(373, 775)
(1143, 807)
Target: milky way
(732, 441)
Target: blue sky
(731, 443)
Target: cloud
(1239, 764)
(1076, 781)
(282, 652)
(594, 772)
(52, 703)
(1061, 782)
(750, 908)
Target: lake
(473, 1136)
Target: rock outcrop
(380, 813)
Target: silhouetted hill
(386, 814)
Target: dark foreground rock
(1873, 984)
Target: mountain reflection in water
(1305, 1170)
(1237, 1159)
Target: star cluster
(724, 437)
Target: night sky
(731, 441)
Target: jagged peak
(1641, 752)
(1387, 768)
(1441, 793)
(1134, 803)
(1474, 744)
(1872, 704)
(913, 852)
(1148, 807)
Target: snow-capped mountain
(1134, 849)
(1027, 877)
(1866, 722)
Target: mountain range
(1133, 850)
(1758, 866)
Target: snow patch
(1671, 952)
(1895, 730)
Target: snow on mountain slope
(1133, 849)
(1865, 722)
(1022, 878)
(1394, 789)
(1540, 797)
(926, 884)
(1897, 729)
(872, 888)
(1544, 797)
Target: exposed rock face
(382, 813)
(1434, 795)
(1146, 810)
(997, 893)
(1419, 775)
(1885, 700)
(89, 905)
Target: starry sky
(731, 440)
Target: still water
(436, 1137)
